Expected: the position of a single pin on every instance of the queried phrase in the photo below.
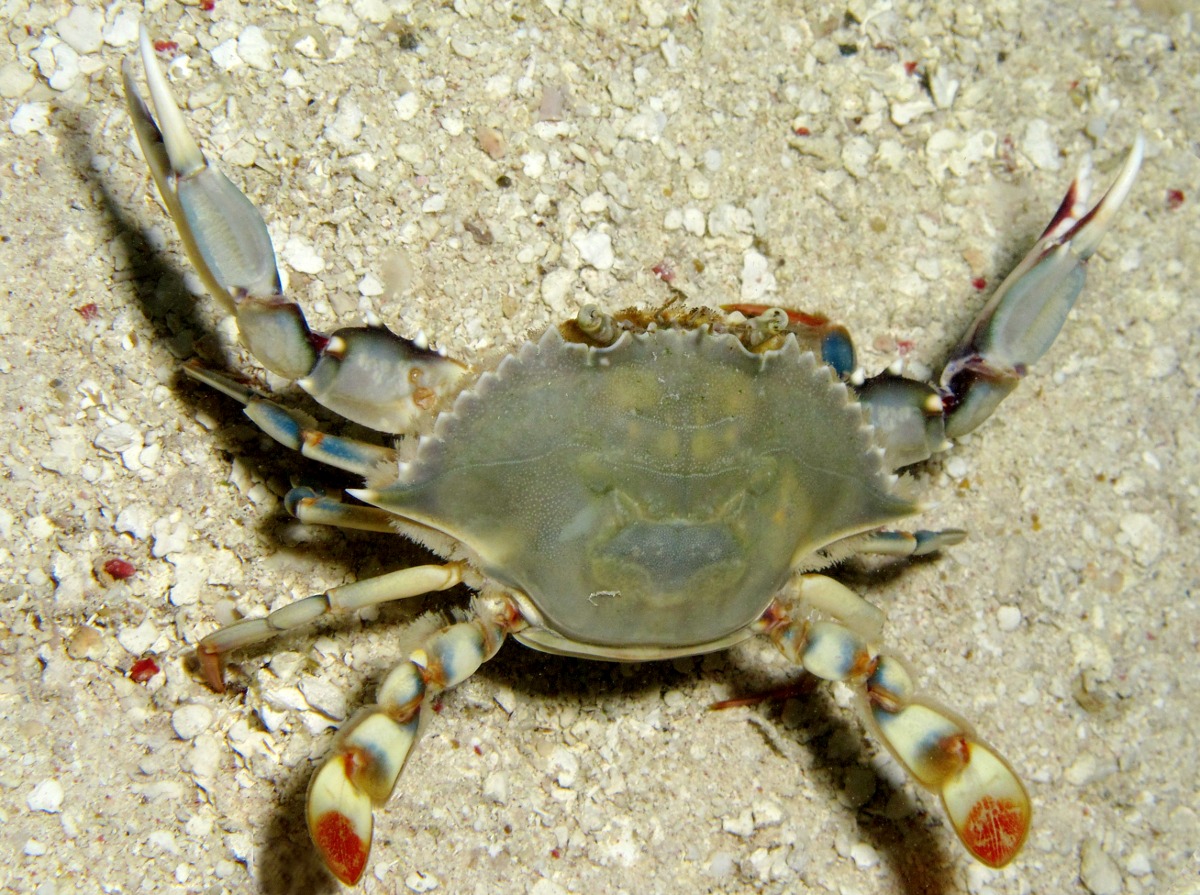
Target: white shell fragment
(190, 721)
(46, 796)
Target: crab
(626, 487)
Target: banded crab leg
(1013, 331)
(372, 747)
(923, 542)
(985, 801)
(294, 430)
(402, 584)
(365, 374)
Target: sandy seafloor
(866, 160)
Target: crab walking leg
(295, 430)
(398, 585)
(372, 747)
(909, 543)
(1023, 318)
(986, 803)
(366, 374)
(313, 507)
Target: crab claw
(1024, 317)
(365, 374)
(223, 233)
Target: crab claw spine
(1024, 317)
(985, 801)
(366, 374)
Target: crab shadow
(288, 864)
(911, 846)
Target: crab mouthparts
(666, 562)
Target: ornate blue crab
(627, 487)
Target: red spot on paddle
(995, 830)
(344, 853)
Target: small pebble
(138, 641)
(15, 80)
(564, 767)
(82, 29)
(191, 720)
(169, 537)
(118, 438)
(757, 279)
(164, 840)
(864, 855)
(1039, 146)
(505, 698)
(1009, 618)
(46, 796)
(942, 87)
(406, 106)
(324, 696)
(225, 56)
(85, 643)
(123, 31)
(495, 787)
(492, 142)
(206, 756)
(693, 221)
(1138, 864)
(136, 521)
(1144, 535)
(1098, 872)
(301, 256)
(533, 164)
(720, 864)
(370, 286)
(856, 156)
(347, 124)
(903, 113)
(766, 814)
(595, 249)
(421, 882)
(254, 48)
(741, 824)
(646, 126)
(65, 67)
(30, 118)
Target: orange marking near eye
(995, 830)
(344, 853)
